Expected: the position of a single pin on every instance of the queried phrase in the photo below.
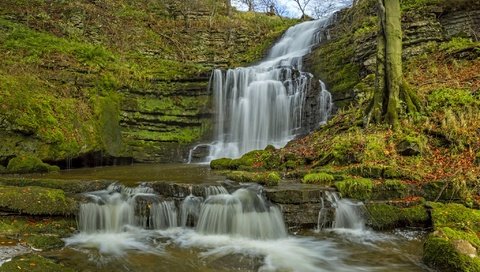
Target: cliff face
(99, 79)
(345, 59)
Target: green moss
(36, 201)
(348, 149)
(452, 190)
(222, 164)
(390, 189)
(257, 160)
(441, 254)
(33, 263)
(455, 216)
(318, 178)
(458, 44)
(457, 99)
(68, 186)
(262, 178)
(359, 188)
(19, 226)
(44, 242)
(29, 164)
(384, 216)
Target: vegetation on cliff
(81, 77)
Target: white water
(325, 103)
(349, 215)
(263, 104)
(242, 214)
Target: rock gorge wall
(85, 82)
(345, 59)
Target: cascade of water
(190, 210)
(112, 209)
(348, 214)
(244, 213)
(215, 190)
(263, 104)
(325, 103)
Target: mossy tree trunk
(390, 89)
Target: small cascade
(113, 209)
(215, 190)
(244, 213)
(347, 213)
(325, 104)
(190, 210)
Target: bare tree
(321, 8)
(272, 7)
(251, 4)
(302, 6)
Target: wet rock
(408, 148)
(464, 247)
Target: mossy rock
(319, 178)
(222, 164)
(263, 178)
(29, 164)
(384, 216)
(381, 171)
(68, 186)
(356, 188)
(455, 216)
(410, 146)
(21, 226)
(34, 200)
(446, 191)
(443, 254)
(390, 189)
(476, 160)
(33, 263)
(44, 242)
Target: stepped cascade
(264, 104)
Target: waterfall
(263, 104)
(325, 103)
(113, 209)
(347, 213)
(244, 213)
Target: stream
(241, 231)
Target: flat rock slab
(295, 193)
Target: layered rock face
(87, 82)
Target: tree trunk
(389, 85)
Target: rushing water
(135, 229)
(263, 104)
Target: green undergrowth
(32, 200)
